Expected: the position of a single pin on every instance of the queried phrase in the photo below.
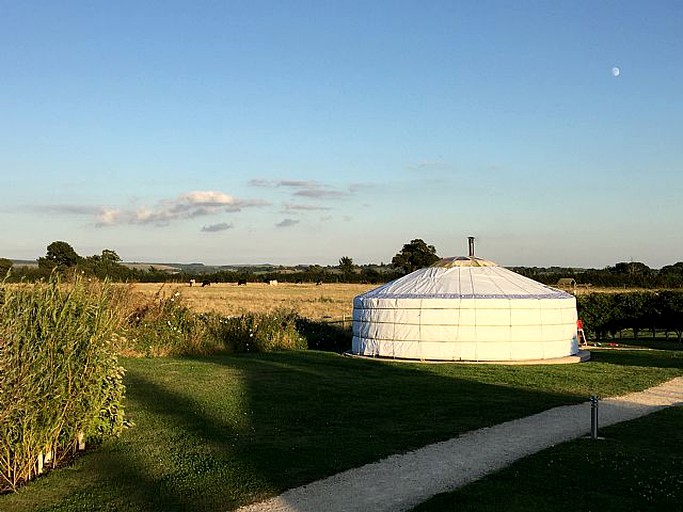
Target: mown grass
(637, 466)
(659, 343)
(213, 433)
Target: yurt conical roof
(465, 308)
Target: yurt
(465, 309)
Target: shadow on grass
(181, 457)
(317, 414)
(642, 358)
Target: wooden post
(81, 441)
(49, 455)
(41, 463)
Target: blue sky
(299, 132)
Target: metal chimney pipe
(470, 240)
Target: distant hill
(190, 268)
(201, 268)
(25, 263)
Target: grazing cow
(319, 283)
(299, 281)
(272, 282)
(241, 282)
(206, 282)
(192, 282)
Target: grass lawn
(638, 466)
(217, 432)
(659, 343)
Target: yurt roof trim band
(549, 295)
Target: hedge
(609, 313)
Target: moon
(616, 71)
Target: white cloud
(215, 228)
(298, 184)
(257, 182)
(320, 192)
(186, 206)
(71, 209)
(287, 223)
(304, 188)
(292, 207)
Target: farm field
(214, 433)
(310, 301)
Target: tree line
(633, 274)
(62, 257)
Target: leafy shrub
(327, 336)
(257, 332)
(163, 327)
(59, 377)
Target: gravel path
(401, 482)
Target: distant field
(310, 301)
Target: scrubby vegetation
(165, 326)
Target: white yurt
(465, 309)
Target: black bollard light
(594, 416)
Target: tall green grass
(60, 382)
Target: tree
(671, 275)
(346, 266)
(370, 275)
(671, 304)
(632, 268)
(109, 256)
(59, 254)
(106, 265)
(417, 254)
(5, 266)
